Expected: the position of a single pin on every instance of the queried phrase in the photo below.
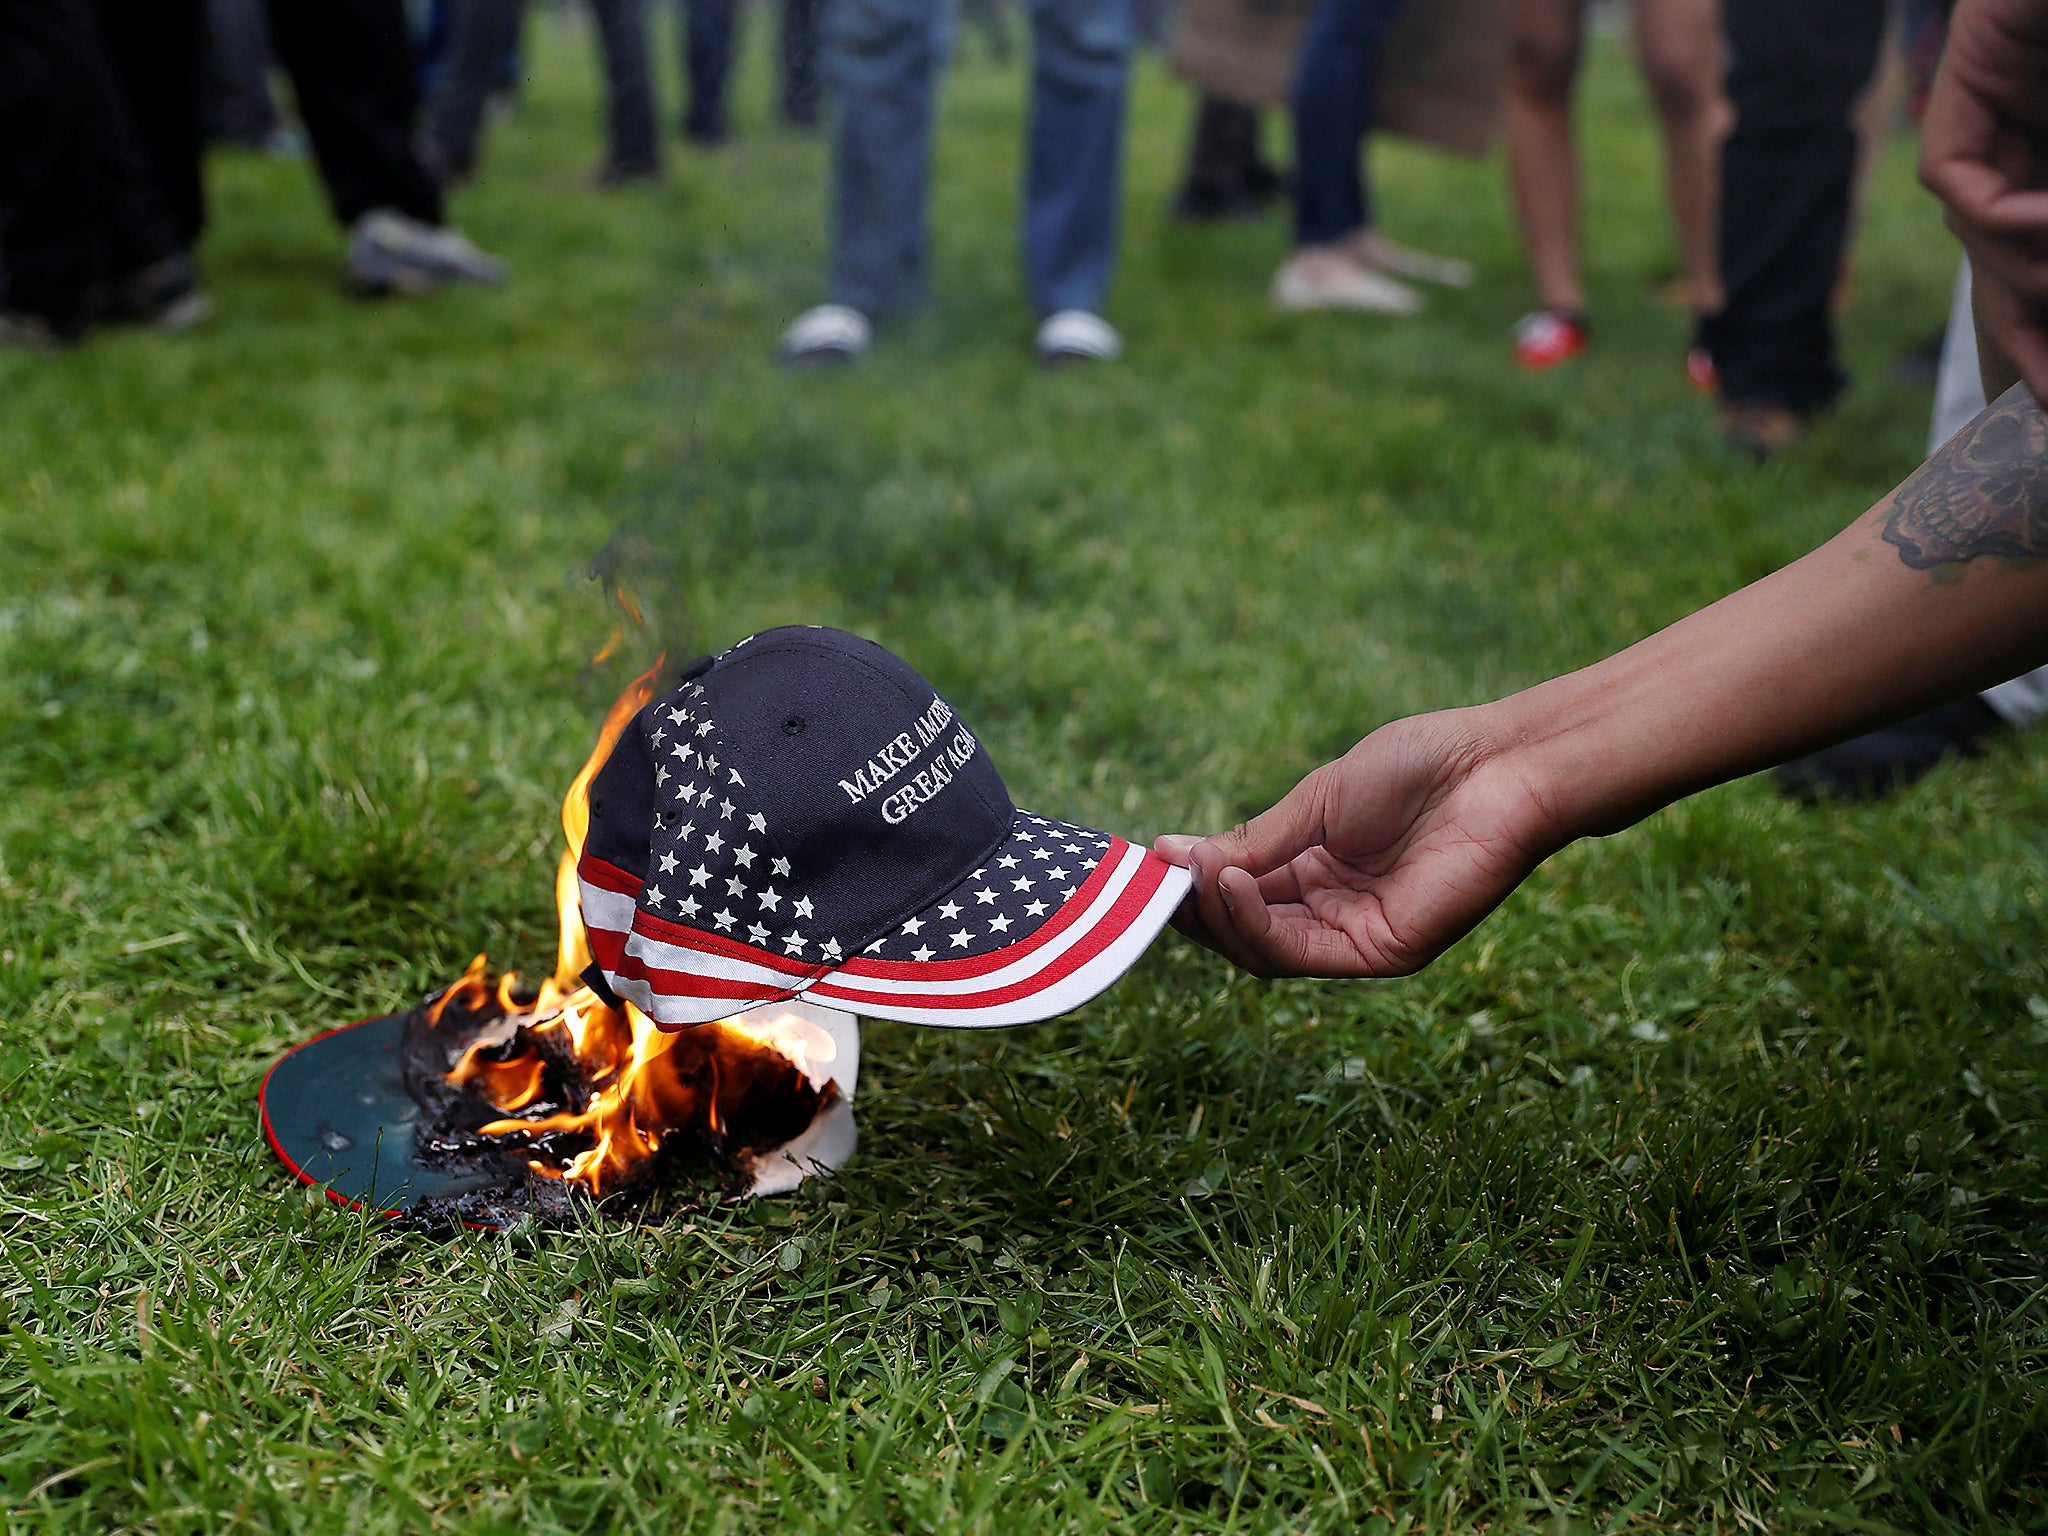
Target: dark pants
(708, 54)
(1227, 172)
(235, 104)
(351, 67)
(1340, 65)
(480, 34)
(78, 202)
(634, 143)
(155, 46)
(1795, 70)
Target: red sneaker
(1546, 337)
(1700, 371)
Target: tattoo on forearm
(1985, 492)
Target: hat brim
(336, 1112)
(681, 976)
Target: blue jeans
(882, 59)
(1340, 65)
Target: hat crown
(839, 770)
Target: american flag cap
(804, 816)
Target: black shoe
(1209, 204)
(1870, 767)
(165, 296)
(21, 331)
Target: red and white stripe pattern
(680, 975)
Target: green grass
(1701, 1188)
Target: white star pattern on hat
(722, 859)
(999, 912)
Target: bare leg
(1680, 43)
(1542, 161)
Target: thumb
(1270, 839)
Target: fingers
(2011, 340)
(1271, 838)
(1286, 939)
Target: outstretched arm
(1375, 863)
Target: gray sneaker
(391, 253)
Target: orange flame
(643, 1082)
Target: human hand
(1374, 864)
(1984, 153)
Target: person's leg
(236, 106)
(1227, 177)
(156, 52)
(881, 60)
(1081, 59)
(77, 205)
(707, 60)
(1543, 64)
(800, 91)
(633, 142)
(351, 69)
(1680, 44)
(1332, 110)
(1796, 68)
(480, 32)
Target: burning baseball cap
(805, 816)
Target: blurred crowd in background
(1769, 110)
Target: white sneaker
(827, 333)
(391, 253)
(1323, 280)
(1078, 336)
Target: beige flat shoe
(1375, 250)
(1317, 280)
